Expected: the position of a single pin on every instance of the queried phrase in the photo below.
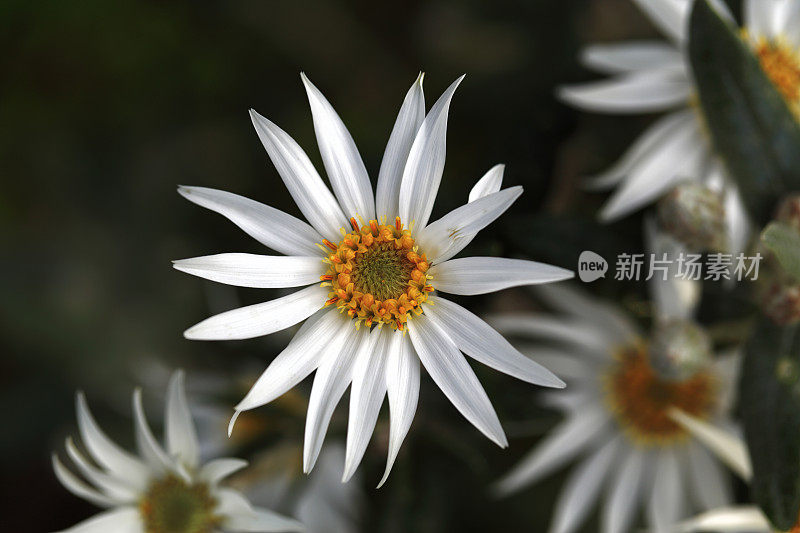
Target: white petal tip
(233, 422)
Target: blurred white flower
(164, 488)
(376, 272)
(655, 76)
(619, 412)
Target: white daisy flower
(618, 412)
(164, 488)
(655, 76)
(380, 262)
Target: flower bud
(679, 349)
(694, 215)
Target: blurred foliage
(784, 242)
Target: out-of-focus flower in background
(650, 77)
(622, 387)
(378, 277)
(164, 488)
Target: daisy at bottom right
(623, 391)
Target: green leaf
(750, 123)
(770, 400)
(784, 242)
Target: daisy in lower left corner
(163, 489)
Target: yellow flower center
(376, 274)
(781, 63)
(173, 506)
(641, 399)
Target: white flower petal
(366, 398)
(451, 372)
(181, 435)
(490, 183)
(744, 519)
(479, 275)
(119, 462)
(737, 221)
(405, 129)
(758, 16)
(257, 271)
(117, 489)
(423, 171)
(80, 489)
(676, 297)
(569, 331)
(730, 450)
(788, 24)
(263, 520)
(301, 178)
(631, 56)
(444, 238)
(561, 445)
(300, 357)
(120, 520)
(402, 383)
(232, 505)
(711, 487)
(218, 469)
(340, 156)
(642, 148)
(665, 505)
(480, 341)
(331, 380)
(677, 158)
(671, 16)
(644, 92)
(624, 493)
(582, 488)
(149, 448)
(269, 226)
(260, 319)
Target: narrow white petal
(582, 488)
(181, 435)
(72, 483)
(298, 359)
(331, 380)
(758, 16)
(218, 469)
(451, 372)
(561, 445)
(479, 275)
(340, 156)
(609, 319)
(744, 519)
(405, 129)
(788, 23)
(624, 493)
(676, 297)
(120, 520)
(149, 448)
(105, 452)
(662, 169)
(490, 183)
(711, 486)
(366, 398)
(737, 221)
(444, 238)
(269, 226)
(263, 520)
(642, 148)
(257, 271)
(301, 178)
(402, 383)
(568, 331)
(120, 490)
(480, 341)
(423, 171)
(630, 93)
(669, 15)
(730, 450)
(260, 319)
(631, 56)
(665, 506)
(232, 505)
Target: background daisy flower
(375, 315)
(164, 488)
